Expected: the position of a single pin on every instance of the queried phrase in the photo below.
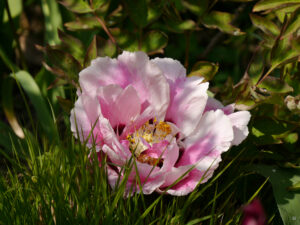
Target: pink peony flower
(150, 111)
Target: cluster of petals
(148, 111)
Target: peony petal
(188, 104)
(128, 105)
(150, 177)
(213, 136)
(111, 140)
(107, 96)
(114, 100)
(186, 185)
(148, 81)
(172, 69)
(84, 118)
(103, 71)
(240, 121)
(214, 104)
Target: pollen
(147, 135)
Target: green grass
(44, 183)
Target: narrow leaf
(43, 113)
(7, 104)
(272, 4)
(265, 25)
(53, 21)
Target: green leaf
(291, 138)
(42, 111)
(77, 6)
(275, 85)
(15, 8)
(175, 26)
(71, 45)
(7, 104)
(293, 24)
(283, 12)
(53, 21)
(91, 53)
(196, 7)
(273, 4)
(64, 61)
(154, 41)
(83, 23)
(137, 11)
(221, 21)
(97, 3)
(205, 69)
(265, 25)
(288, 202)
(285, 51)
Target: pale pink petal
(112, 141)
(107, 96)
(128, 105)
(172, 69)
(103, 71)
(150, 177)
(84, 118)
(138, 122)
(188, 104)
(240, 121)
(147, 79)
(175, 173)
(213, 136)
(189, 178)
(170, 156)
(214, 104)
(114, 100)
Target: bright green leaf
(154, 41)
(196, 7)
(272, 4)
(205, 69)
(293, 24)
(221, 21)
(77, 6)
(15, 8)
(42, 111)
(53, 21)
(83, 23)
(264, 24)
(7, 104)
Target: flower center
(146, 136)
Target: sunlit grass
(44, 183)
